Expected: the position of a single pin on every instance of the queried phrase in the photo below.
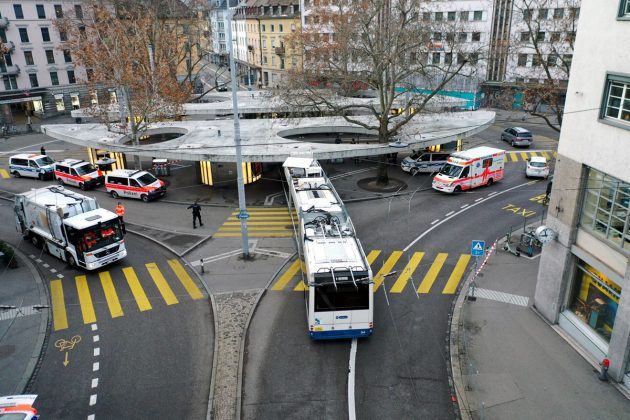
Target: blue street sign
(478, 248)
(242, 215)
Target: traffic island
(371, 184)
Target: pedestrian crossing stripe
(4, 173)
(109, 288)
(262, 222)
(523, 156)
(399, 284)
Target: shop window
(74, 99)
(595, 299)
(113, 99)
(59, 103)
(605, 208)
(94, 98)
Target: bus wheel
(71, 261)
(457, 190)
(490, 182)
(37, 243)
(114, 194)
(144, 197)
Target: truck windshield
(146, 179)
(451, 170)
(44, 161)
(85, 169)
(95, 237)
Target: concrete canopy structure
(264, 140)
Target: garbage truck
(70, 226)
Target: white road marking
(269, 199)
(479, 199)
(95, 367)
(352, 415)
(97, 351)
(96, 339)
(38, 260)
(92, 399)
(60, 275)
(52, 270)
(95, 383)
(435, 221)
(492, 193)
(91, 417)
(426, 232)
(94, 327)
(498, 296)
(464, 206)
(46, 265)
(449, 213)
(12, 152)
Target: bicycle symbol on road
(64, 345)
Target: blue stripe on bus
(335, 334)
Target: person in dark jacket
(196, 213)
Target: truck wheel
(144, 197)
(71, 261)
(490, 182)
(16, 174)
(37, 243)
(114, 194)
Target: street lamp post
(237, 141)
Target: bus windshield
(85, 169)
(95, 237)
(146, 179)
(344, 297)
(451, 170)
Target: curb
(42, 335)
(239, 383)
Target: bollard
(603, 371)
(203, 269)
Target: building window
(438, 16)
(78, 11)
(63, 36)
(540, 36)
(437, 36)
(41, 13)
(463, 37)
(594, 299)
(542, 14)
(28, 57)
(45, 35)
(280, 28)
(10, 82)
(473, 58)
(567, 60)
(478, 15)
(58, 11)
(524, 36)
(33, 78)
(448, 58)
(264, 43)
(273, 28)
(552, 60)
(476, 36)
(426, 16)
(527, 15)
(522, 60)
(558, 13)
(436, 58)
(536, 60)
(554, 37)
(17, 8)
(263, 28)
(67, 58)
(616, 105)
(463, 16)
(575, 11)
(23, 35)
(451, 16)
(54, 79)
(264, 59)
(71, 78)
(605, 207)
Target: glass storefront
(595, 299)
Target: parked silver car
(517, 136)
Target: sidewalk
(23, 324)
(510, 363)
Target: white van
(79, 173)
(470, 169)
(31, 165)
(134, 184)
(424, 162)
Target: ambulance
(134, 184)
(470, 169)
(78, 173)
(18, 407)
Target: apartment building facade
(584, 276)
(39, 77)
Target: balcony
(280, 50)
(9, 70)
(4, 22)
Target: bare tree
(544, 37)
(382, 46)
(132, 46)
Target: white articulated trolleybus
(338, 277)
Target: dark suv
(517, 136)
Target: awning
(18, 100)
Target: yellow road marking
(85, 300)
(545, 155)
(373, 255)
(4, 173)
(456, 275)
(287, 276)
(301, 286)
(406, 273)
(533, 153)
(232, 228)
(513, 157)
(110, 294)
(185, 279)
(261, 213)
(136, 289)
(258, 223)
(236, 234)
(270, 218)
(432, 274)
(60, 319)
(386, 268)
(524, 155)
(162, 285)
(555, 154)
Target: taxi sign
(478, 248)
